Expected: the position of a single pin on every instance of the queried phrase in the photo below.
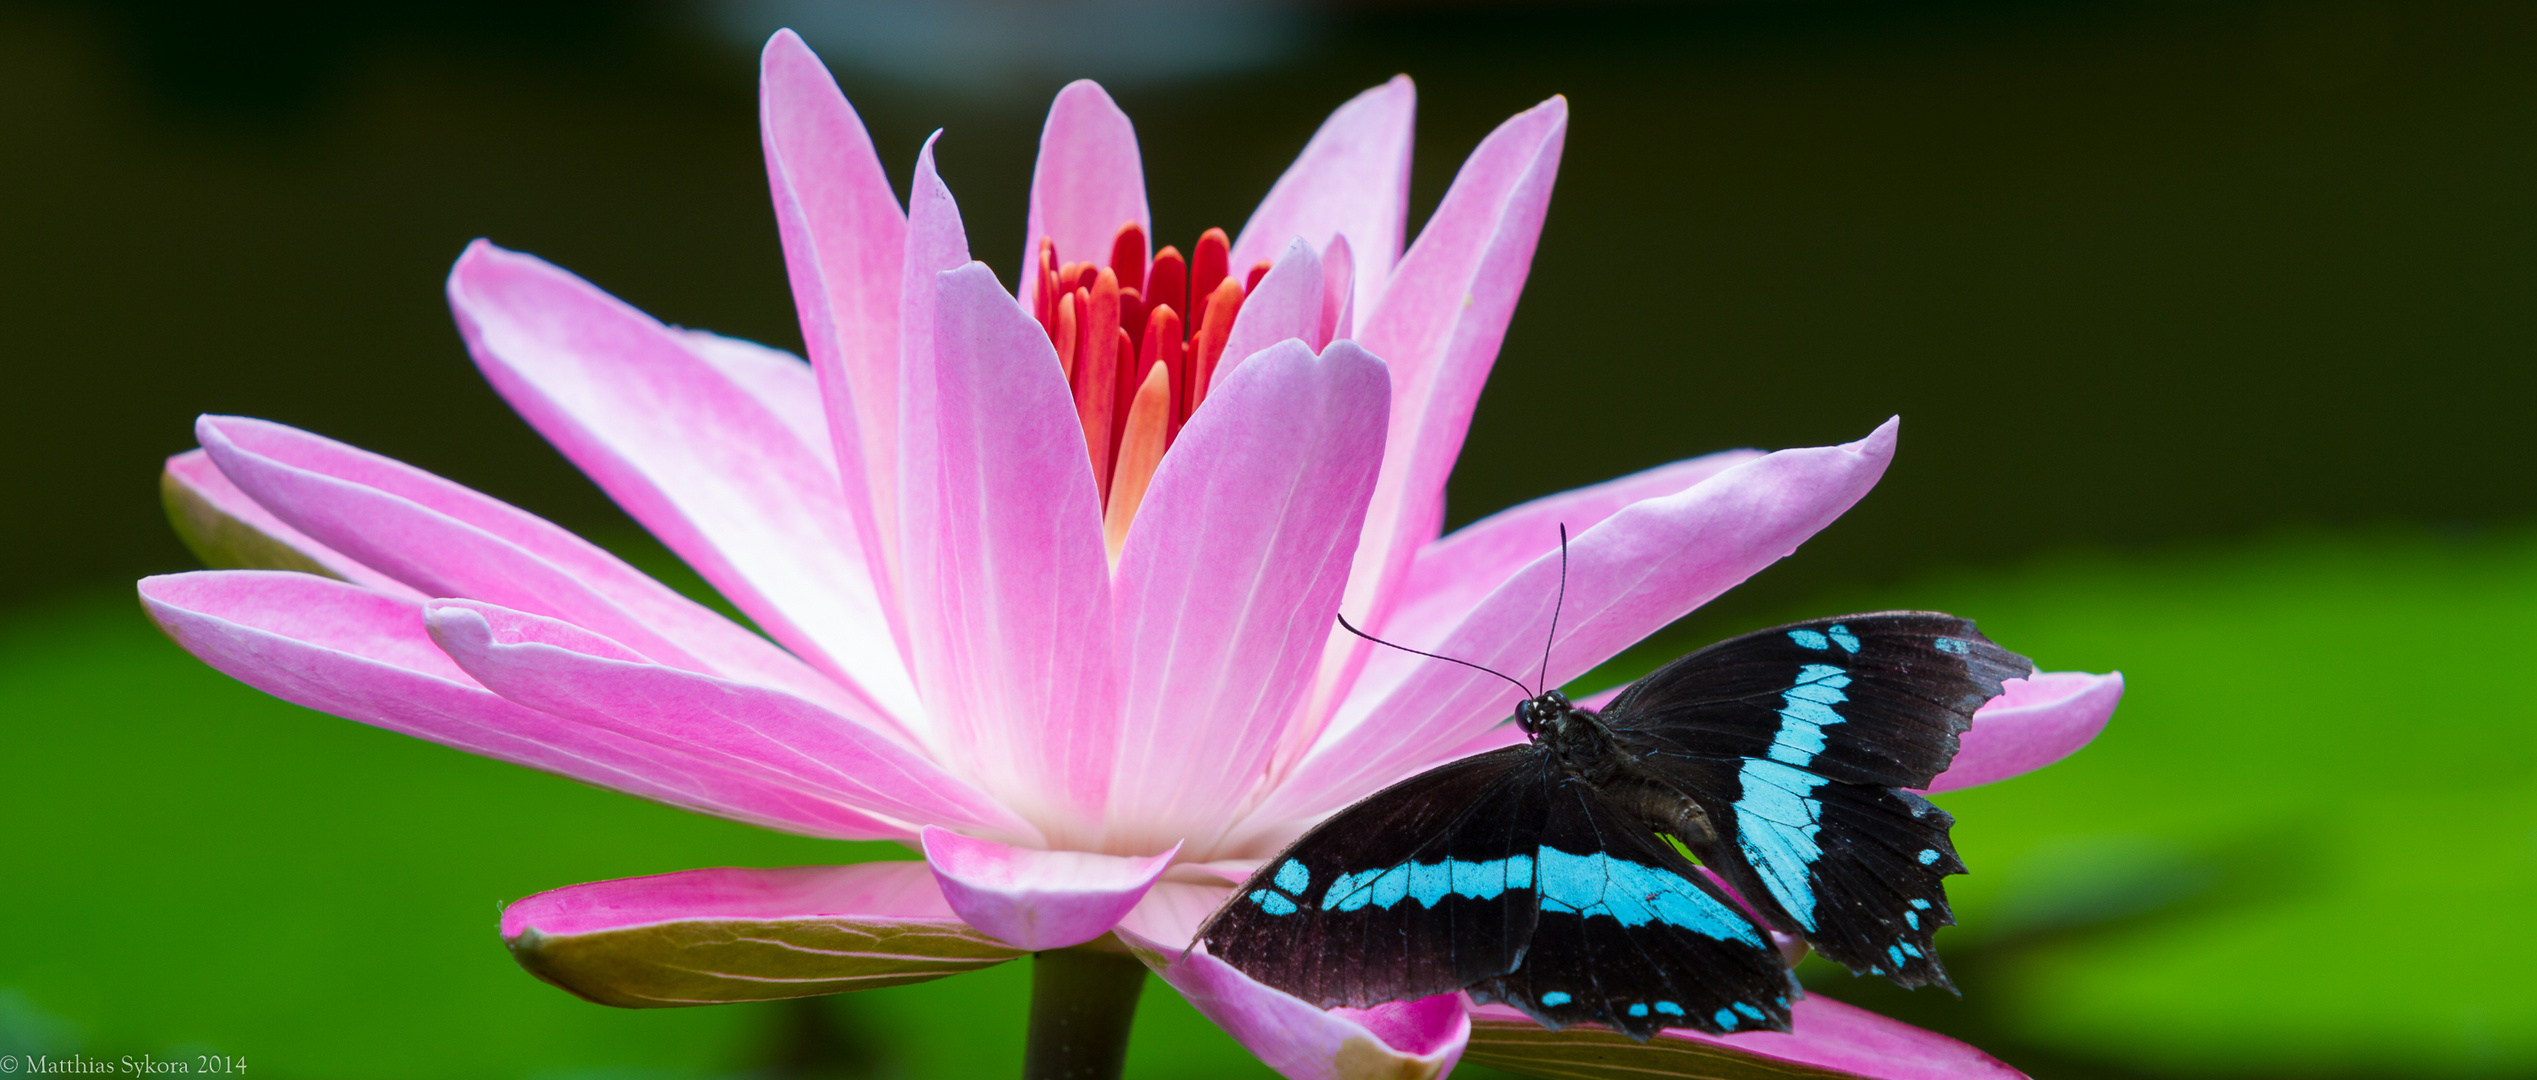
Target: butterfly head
(1543, 714)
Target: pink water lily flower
(1049, 574)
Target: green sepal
(223, 542)
(716, 961)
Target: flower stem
(1083, 1000)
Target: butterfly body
(1540, 875)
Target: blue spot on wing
(1555, 997)
(1810, 639)
(1928, 856)
(1638, 1008)
(1669, 1008)
(1954, 645)
(1635, 895)
(1726, 1019)
(1842, 636)
(1429, 883)
(1272, 901)
(1293, 878)
(1776, 820)
(1806, 709)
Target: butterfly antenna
(1343, 621)
(1556, 605)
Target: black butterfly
(1537, 876)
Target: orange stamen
(1167, 282)
(1132, 313)
(1127, 256)
(1163, 349)
(1208, 344)
(1147, 431)
(1095, 374)
(1044, 298)
(1064, 336)
(1259, 270)
(1125, 389)
(1206, 268)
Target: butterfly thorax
(1586, 750)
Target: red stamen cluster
(1138, 366)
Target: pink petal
(246, 536)
(778, 381)
(781, 739)
(1627, 577)
(844, 237)
(1009, 606)
(364, 656)
(1352, 180)
(1285, 304)
(1422, 1038)
(1035, 899)
(878, 890)
(1438, 325)
(1826, 1035)
(706, 936)
(936, 242)
(1230, 573)
(1451, 575)
(1167, 920)
(1089, 181)
(445, 540)
(2033, 723)
(1338, 293)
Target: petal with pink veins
(445, 540)
(1034, 899)
(2033, 723)
(1089, 180)
(696, 457)
(1338, 293)
(1438, 325)
(1451, 576)
(1626, 578)
(1231, 570)
(1285, 304)
(1009, 614)
(1402, 1039)
(228, 530)
(1454, 573)
(1352, 180)
(788, 742)
(843, 236)
(341, 649)
(779, 381)
(1826, 1035)
(703, 937)
(936, 242)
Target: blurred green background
(2211, 324)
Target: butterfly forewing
(1630, 936)
(1794, 740)
(1901, 685)
(1421, 888)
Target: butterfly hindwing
(1796, 741)
(1631, 938)
(1421, 888)
(1856, 870)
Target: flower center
(1139, 345)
